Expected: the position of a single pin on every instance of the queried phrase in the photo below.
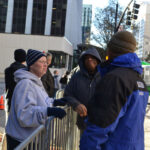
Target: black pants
(11, 143)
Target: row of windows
(3, 13)
(86, 17)
(58, 17)
(58, 59)
(86, 31)
(19, 16)
(38, 16)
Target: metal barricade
(63, 134)
(56, 134)
(60, 93)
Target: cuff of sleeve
(75, 106)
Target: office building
(143, 37)
(86, 23)
(46, 25)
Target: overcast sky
(103, 3)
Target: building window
(58, 59)
(70, 63)
(3, 14)
(86, 25)
(19, 16)
(146, 43)
(38, 16)
(58, 17)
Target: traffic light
(128, 20)
(132, 15)
(135, 11)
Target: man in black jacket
(81, 86)
(47, 79)
(20, 57)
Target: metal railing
(56, 134)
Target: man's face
(39, 68)
(49, 60)
(90, 62)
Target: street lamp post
(116, 16)
(116, 29)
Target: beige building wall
(10, 42)
(144, 30)
(146, 46)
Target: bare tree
(104, 23)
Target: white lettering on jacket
(140, 84)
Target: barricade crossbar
(55, 135)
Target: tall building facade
(86, 23)
(46, 25)
(143, 37)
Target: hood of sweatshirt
(21, 74)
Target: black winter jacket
(9, 80)
(81, 87)
(48, 83)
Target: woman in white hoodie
(30, 103)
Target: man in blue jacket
(117, 110)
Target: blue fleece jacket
(116, 114)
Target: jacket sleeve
(27, 112)
(6, 79)
(48, 83)
(70, 90)
(104, 111)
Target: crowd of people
(110, 97)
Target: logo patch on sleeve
(140, 84)
(141, 93)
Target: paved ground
(2, 112)
(2, 118)
(2, 86)
(147, 129)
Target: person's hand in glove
(57, 112)
(60, 102)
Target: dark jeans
(11, 143)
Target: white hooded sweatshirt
(28, 106)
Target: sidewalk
(2, 130)
(3, 118)
(147, 128)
